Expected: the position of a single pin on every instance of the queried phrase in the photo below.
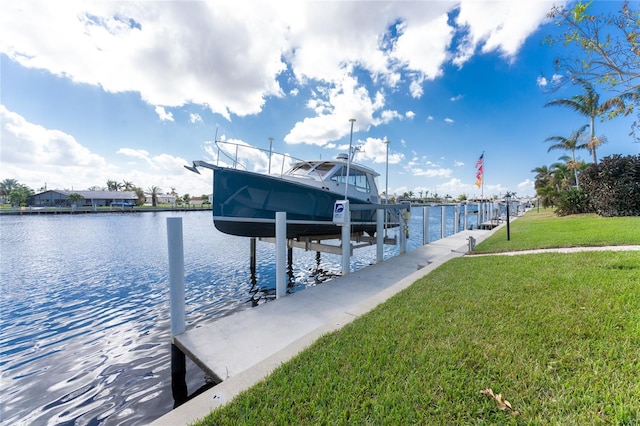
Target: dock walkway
(245, 347)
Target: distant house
(162, 198)
(60, 198)
(199, 201)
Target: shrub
(613, 186)
(573, 201)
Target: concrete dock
(243, 348)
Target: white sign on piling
(342, 217)
(176, 274)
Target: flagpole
(482, 190)
(480, 174)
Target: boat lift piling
(252, 254)
(346, 240)
(281, 252)
(425, 225)
(176, 303)
(380, 216)
(466, 217)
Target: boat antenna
(215, 141)
(270, 150)
(346, 182)
(386, 177)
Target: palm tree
(570, 144)
(561, 178)
(8, 185)
(154, 191)
(128, 186)
(112, 185)
(547, 195)
(588, 104)
(542, 176)
(20, 194)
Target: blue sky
(92, 91)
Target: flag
(480, 171)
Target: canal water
(84, 305)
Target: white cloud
(498, 26)
(375, 150)
(456, 98)
(229, 56)
(163, 114)
(387, 116)
(423, 45)
(343, 101)
(35, 156)
(526, 188)
(135, 153)
(172, 53)
(28, 144)
(441, 172)
(195, 118)
(543, 81)
(410, 115)
(449, 120)
(415, 88)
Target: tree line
(609, 52)
(17, 194)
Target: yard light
(507, 200)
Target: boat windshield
(300, 169)
(356, 178)
(323, 168)
(307, 169)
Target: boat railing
(247, 153)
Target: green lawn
(557, 335)
(544, 230)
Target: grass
(545, 230)
(556, 334)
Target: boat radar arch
(342, 156)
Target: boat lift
(346, 237)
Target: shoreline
(90, 210)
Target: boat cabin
(332, 175)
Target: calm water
(84, 307)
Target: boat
(245, 202)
